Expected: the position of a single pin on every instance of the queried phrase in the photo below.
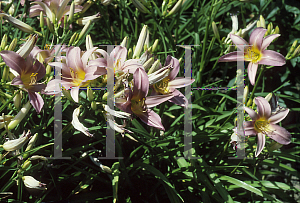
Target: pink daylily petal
(62, 9)
(14, 61)
(179, 99)
(175, 64)
(256, 37)
(232, 56)
(249, 128)
(267, 41)
(39, 69)
(74, 59)
(252, 69)
(276, 118)
(101, 62)
(238, 41)
(65, 70)
(152, 101)
(17, 81)
(263, 107)
(36, 100)
(141, 84)
(261, 140)
(119, 55)
(280, 134)
(180, 82)
(86, 55)
(272, 58)
(152, 119)
(251, 113)
(37, 87)
(131, 66)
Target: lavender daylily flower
(255, 54)
(263, 123)
(76, 72)
(136, 100)
(169, 84)
(29, 72)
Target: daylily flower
(31, 183)
(136, 102)
(55, 10)
(169, 83)
(263, 123)
(116, 60)
(77, 72)
(256, 53)
(30, 71)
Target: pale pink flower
(263, 123)
(255, 54)
(29, 72)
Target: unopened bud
(141, 42)
(31, 142)
(258, 24)
(27, 47)
(3, 42)
(262, 21)
(124, 42)
(154, 46)
(73, 38)
(71, 13)
(5, 74)
(268, 97)
(49, 25)
(141, 7)
(7, 118)
(18, 24)
(19, 117)
(94, 105)
(270, 28)
(277, 31)
(90, 94)
(129, 54)
(296, 52)
(154, 67)
(42, 20)
(36, 157)
(176, 8)
(293, 47)
(106, 2)
(246, 92)
(86, 6)
(17, 100)
(84, 30)
(215, 30)
(148, 63)
(104, 97)
(13, 44)
(26, 164)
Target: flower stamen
(33, 78)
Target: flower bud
(246, 92)
(296, 52)
(154, 67)
(154, 46)
(277, 31)
(31, 142)
(17, 100)
(124, 43)
(90, 94)
(129, 54)
(270, 28)
(262, 21)
(141, 42)
(13, 44)
(18, 24)
(32, 183)
(5, 74)
(94, 105)
(141, 7)
(42, 20)
(49, 25)
(13, 145)
(19, 117)
(85, 20)
(7, 118)
(3, 42)
(293, 47)
(27, 47)
(36, 157)
(176, 8)
(268, 97)
(71, 13)
(104, 97)
(215, 29)
(86, 6)
(148, 63)
(73, 38)
(258, 24)
(84, 30)
(26, 165)
(106, 2)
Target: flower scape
(128, 101)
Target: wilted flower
(85, 20)
(110, 119)
(79, 126)
(16, 144)
(17, 23)
(77, 72)
(263, 123)
(169, 84)
(30, 72)
(256, 53)
(32, 183)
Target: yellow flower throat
(253, 54)
(261, 125)
(162, 86)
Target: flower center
(139, 106)
(162, 86)
(77, 78)
(33, 78)
(261, 125)
(252, 54)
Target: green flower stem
(9, 100)
(255, 86)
